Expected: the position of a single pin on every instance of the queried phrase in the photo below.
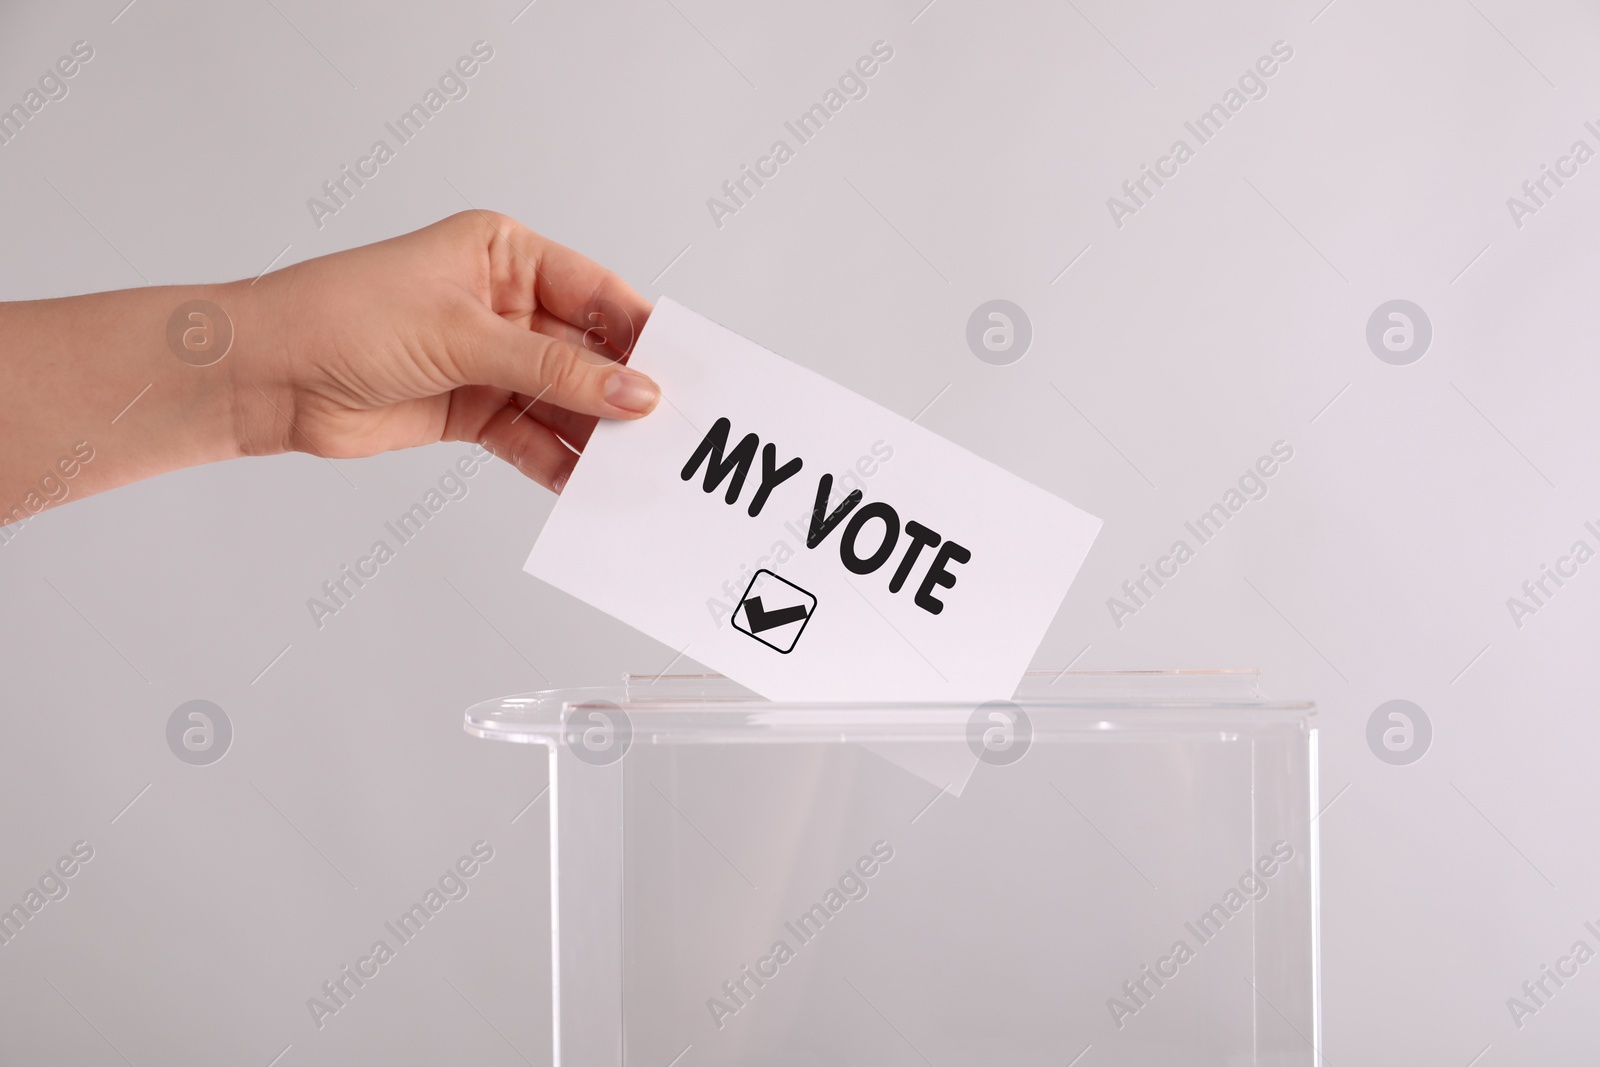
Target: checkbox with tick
(774, 611)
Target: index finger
(531, 273)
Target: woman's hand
(472, 329)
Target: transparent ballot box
(1111, 868)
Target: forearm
(95, 397)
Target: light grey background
(1228, 314)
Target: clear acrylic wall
(1121, 867)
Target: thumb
(507, 356)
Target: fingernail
(632, 391)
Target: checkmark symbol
(761, 620)
(777, 627)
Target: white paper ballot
(804, 541)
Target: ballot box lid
(710, 707)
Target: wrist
(191, 396)
(255, 392)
